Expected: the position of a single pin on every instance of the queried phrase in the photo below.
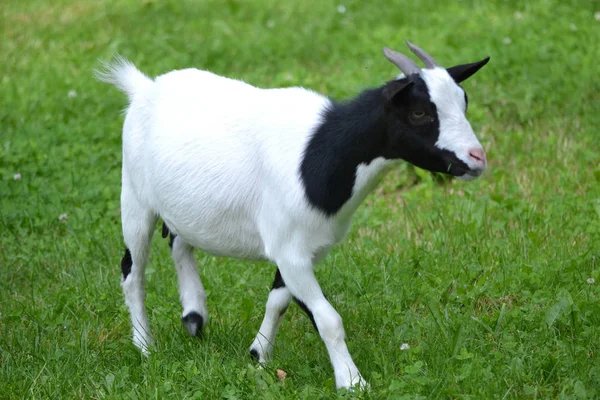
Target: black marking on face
(278, 282)
(395, 121)
(414, 129)
(193, 323)
(126, 263)
(307, 311)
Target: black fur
(307, 311)
(463, 72)
(378, 123)
(166, 232)
(126, 263)
(412, 139)
(193, 323)
(278, 282)
(351, 134)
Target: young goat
(273, 174)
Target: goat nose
(478, 155)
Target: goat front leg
(300, 280)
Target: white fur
(278, 301)
(219, 161)
(191, 290)
(456, 134)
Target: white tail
(124, 75)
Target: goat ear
(392, 89)
(462, 72)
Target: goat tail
(124, 75)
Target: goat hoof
(254, 354)
(193, 323)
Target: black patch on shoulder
(126, 263)
(307, 311)
(351, 133)
(193, 323)
(254, 354)
(278, 282)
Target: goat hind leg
(138, 227)
(277, 304)
(191, 290)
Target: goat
(273, 174)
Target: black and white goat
(273, 174)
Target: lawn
(480, 290)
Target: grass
(487, 282)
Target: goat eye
(417, 114)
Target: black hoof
(193, 323)
(254, 354)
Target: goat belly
(222, 235)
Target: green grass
(486, 281)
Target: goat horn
(401, 61)
(423, 56)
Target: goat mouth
(470, 175)
(475, 172)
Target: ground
(488, 289)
